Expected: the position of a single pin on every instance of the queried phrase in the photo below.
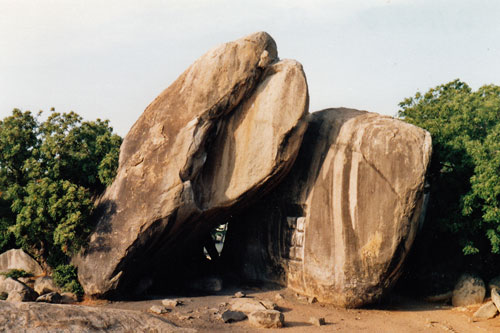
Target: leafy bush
(66, 277)
(463, 216)
(50, 173)
(16, 274)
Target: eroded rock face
(341, 223)
(219, 137)
(36, 317)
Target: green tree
(464, 210)
(50, 173)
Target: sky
(109, 59)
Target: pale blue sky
(110, 59)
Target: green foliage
(465, 168)
(16, 274)
(66, 277)
(50, 172)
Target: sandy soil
(397, 314)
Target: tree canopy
(465, 168)
(50, 173)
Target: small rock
(317, 321)
(495, 298)
(233, 316)
(267, 318)
(53, 297)
(239, 294)
(45, 285)
(248, 305)
(184, 317)
(223, 304)
(171, 303)
(312, 300)
(278, 297)
(470, 289)
(158, 309)
(486, 311)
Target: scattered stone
(158, 309)
(184, 316)
(279, 297)
(267, 319)
(317, 321)
(312, 300)
(171, 303)
(223, 304)
(52, 297)
(248, 305)
(18, 259)
(45, 285)
(239, 294)
(486, 311)
(470, 289)
(233, 316)
(495, 298)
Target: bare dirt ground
(397, 314)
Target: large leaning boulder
(219, 137)
(340, 225)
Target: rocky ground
(396, 314)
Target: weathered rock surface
(17, 291)
(248, 305)
(36, 317)
(343, 220)
(469, 289)
(220, 136)
(487, 311)
(267, 319)
(45, 285)
(18, 259)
